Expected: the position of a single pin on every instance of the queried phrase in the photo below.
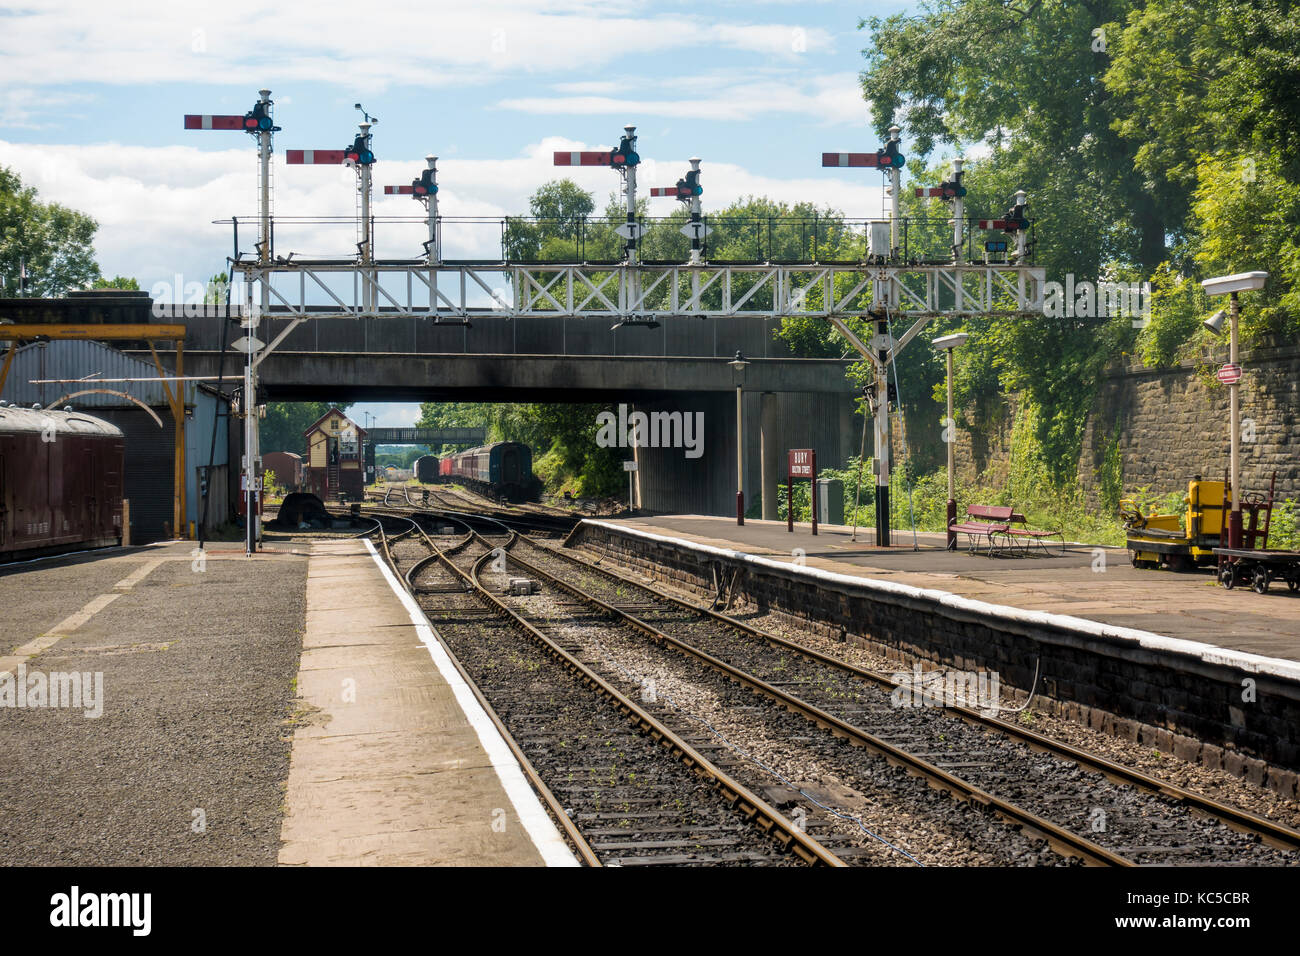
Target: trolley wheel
(1228, 577)
(1259, 581)
(1293, 582)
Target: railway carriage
(426, 469)
(61, 479)
(501, 470)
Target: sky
(92, 96)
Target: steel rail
(1061, 839)
(1276, 834)
(748, 804)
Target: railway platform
(164, 742)
(394, 761)
(163, 706)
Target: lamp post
(948, 343)
(738, 373)
(1231, 286)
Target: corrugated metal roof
(77, 359)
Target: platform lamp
(738, 375)
(948, 343)
(1231, 286)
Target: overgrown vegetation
(1156, 140)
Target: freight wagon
(60, 482)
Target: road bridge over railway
(683, 366)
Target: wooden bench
(1019, 536)
(983, 522)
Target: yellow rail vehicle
(1179, 542)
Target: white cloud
(23, 107)
(395, 42)
(834, 99)
(387, 414)
(155, 206)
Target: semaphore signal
(889, 159)
(689, 191)
(361, 157)
(425, 189)
(258, 122)
(953, 192)
(625, 159)
(1016, 221)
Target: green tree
(117, 282)
(51, 242)
(218, 289)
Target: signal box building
(335, 465)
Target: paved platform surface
(1097, 584)
(393, 761)
(211, 684)
(173, 750)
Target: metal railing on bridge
(731, 240)
(427, 436)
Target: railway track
(624, 788)
(538, 519)
(1132, 817)
(949, 831)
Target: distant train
(61, 480)
(500, 470)
(426, 469)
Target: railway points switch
(522, 586)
